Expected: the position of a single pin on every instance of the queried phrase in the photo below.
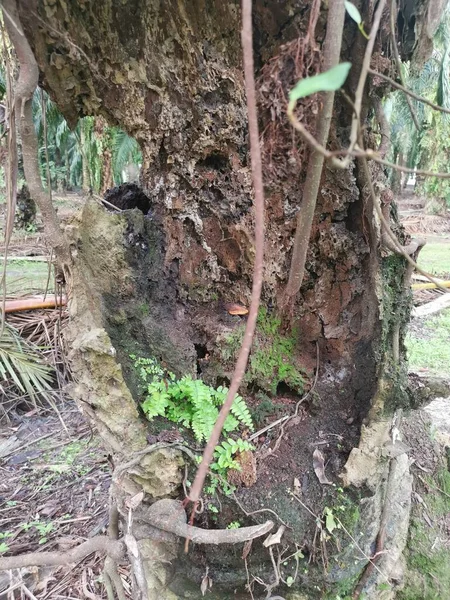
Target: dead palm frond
(21, 364)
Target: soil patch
(53, 495)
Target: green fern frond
(203, 421)
(157, 401)
(187, 401)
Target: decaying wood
(432, 307)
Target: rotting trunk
(170, 75)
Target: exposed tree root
(169, 516)
(100, 543)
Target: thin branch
(370, 154)
(255, 154)
(407, 91)
(384, 127)
(356, 119)
(332, 52)
(399, 63)
(100, 543)
(25, 87)
(11, 170)
(397, 247)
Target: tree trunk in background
(86, 177)
(170, 75)
(104, 140)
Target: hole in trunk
(215, 161)
(128, 196)
(223, 381)
(202, 354)
(284, 390)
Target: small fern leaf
(156, 403)
(231, 423)
(203, 421)
(240, 410)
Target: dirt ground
(54, 480)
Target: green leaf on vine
(353, 12)
(330, 81)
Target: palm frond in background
(125, 151)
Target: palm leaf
(21, 364)
(125, 150)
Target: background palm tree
(426, 148)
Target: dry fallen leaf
(247, 548)
(236, 309)
(319, 467)
(133, 503)
(274, 538)
(206, 583)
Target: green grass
(428, 555)
(435, 258)
(25, 277)
(432, 350)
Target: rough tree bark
(170, 74)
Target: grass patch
(432, 351)
(26, 277)
(435, 258)
(428, 557)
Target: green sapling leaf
(353, 12)
(330, 81)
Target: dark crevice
(126, 197)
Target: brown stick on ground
(255, 154)
(332, 51)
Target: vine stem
(332, 52)
(255, 155)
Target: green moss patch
(273, 359)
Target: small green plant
(188, 401)
(5, 534)
(43, 529)
(233, 525)
(225, 452)
(3, 547)
(271, 360)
